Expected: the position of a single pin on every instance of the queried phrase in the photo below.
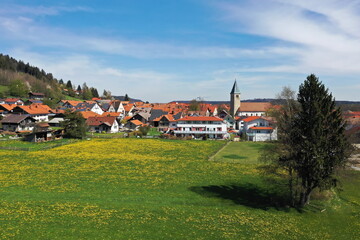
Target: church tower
(234, 99)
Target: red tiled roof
(136, 122)
(261, 128)
(36, 109)
(88, 114)
(8, 107)
(96, 121)
(254, 106)
(201, 118)
(111, 114)
(168, 116)
(249, 119)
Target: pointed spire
(235, 88)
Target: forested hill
(18, 78)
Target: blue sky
(164, 50)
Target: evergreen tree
(126, 98)
(61, 82)
(94, 92)
(69, 85)
(74, 125)
(86, 93)
(78, 89)
(316, 143)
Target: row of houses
(179, 119)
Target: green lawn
(158, 189)
(30, 146)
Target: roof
(128, 107)
(136, 122)
(96, 121)
(8, 107)
(15, 118)
(169, 117)
(87, 114)
(111, 114)
(36, 94)
(12, 99)
(235, 88)
(200, 118)
(35, 109)
(155, 113)
(254, 106)
(261, 128)
(252, 118)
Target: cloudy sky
(164, 50)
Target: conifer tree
(74, 125)
(316, 140)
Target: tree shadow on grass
(246, 194)
(234, 156)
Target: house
(103, 124)
(141, 116)
(16, 101)
(165, 122)
(6, 108)
(89, 106)
(56, 121)
(33, 101)
(197, 127)
(253, 108)
(36, 96)
(17, 123)
(259, 129)
(133, 124)
(43, 133)
(39, 112)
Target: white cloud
(326, 34)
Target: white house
(103, 124)
(197, 127)
(259, 129)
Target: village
(38, 122)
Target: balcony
(199, 132)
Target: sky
(165, 50)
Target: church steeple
(235, 88)
(234, 99)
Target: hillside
(18, 78)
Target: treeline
(20, 78)
(9, 63)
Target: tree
(74, 125)
(69, 85)
(86, 92)
(78, 89)
(18, 88)
(315, 143)
(195, 104)
(106, 94)
(126, 98)
(144, 130)
(94, 92)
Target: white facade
(258, 129)
(249, 114)
(97, 109)
(105, 128)
(40, 117)
(198, 127)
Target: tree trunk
(305, 197)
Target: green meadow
(160, 189)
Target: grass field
(158, 189)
